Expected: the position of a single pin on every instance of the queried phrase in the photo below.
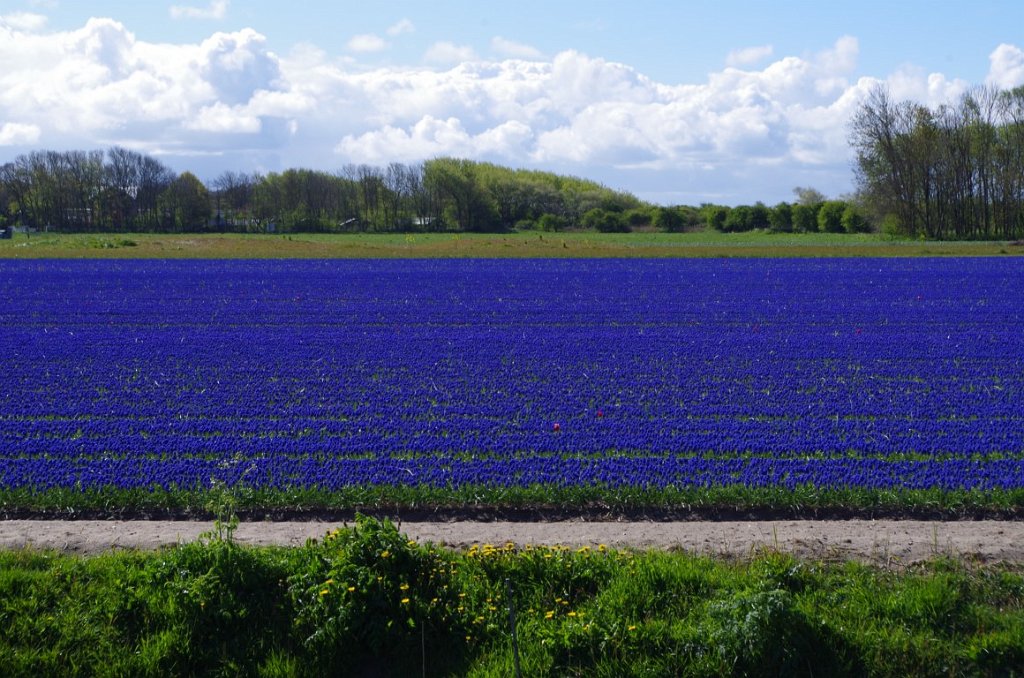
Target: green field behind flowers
(519, 244)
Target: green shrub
(366, 596)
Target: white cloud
(15, 134)
(401, 27)
(431, 137)
(23, 21)
(1006, 69)
(449, 53)
(230, 97)
(224, 119)
(748, 55)
(101, 78)
(217, 9)
(515, 50)
(366, 42)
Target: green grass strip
(804, 500)
(367, 601)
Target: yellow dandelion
(571, 613)
(632, 628)
(405, 601)
(328, 582)
(324, 592)
(549, 614)
(404, 587)
(385, 554)
(351, 589)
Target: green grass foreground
(469, 245)
(365, 601)
(487, 501)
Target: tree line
(951, 172)
(120, 190)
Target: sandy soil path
(880, 541)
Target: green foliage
(185, 204)
(669, 220)
(604, 221)
(366, 601)
(715, 216)
(830, 216)
(677, 219)
(366, 596)
(951, 172)
(805, 218)
(854, 221)
(739, 219)
(639, 216)
(760, 216)
(551, 222)
(224, 604)
(781, 218)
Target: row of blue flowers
(841, 373)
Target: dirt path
(880, 541)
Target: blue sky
(682, 102)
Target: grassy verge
(539, 500)
(365, 601)
(447, 245)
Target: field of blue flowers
(829, 373)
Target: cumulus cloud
(449, 53)
(431, 137)
(18, 134)
(23, 21)
(400, 28)
(1006, 69)
(366, 42)
(224, 119)
(514, 50)
(217, 9)
(100, 78)
(748, 55)
(230, 97)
